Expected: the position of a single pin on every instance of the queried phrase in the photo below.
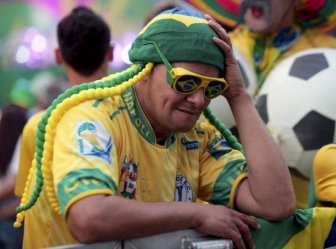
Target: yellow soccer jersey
(27, 151)
(108, 147)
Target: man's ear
(58, 56)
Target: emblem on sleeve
(183, 189)
(93, 140)
(129, 174)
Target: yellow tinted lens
(187, 83)
(214, 89)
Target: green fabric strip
(80, 181)
(275, 235)
(223, 185)
(136, 115)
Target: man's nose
(197, 98)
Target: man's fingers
(251, 221)
(218, 29)
(245, 232)
(223, 41)
(237, 238)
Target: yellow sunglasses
(186, 82)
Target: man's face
(266, 16)
(169, 111)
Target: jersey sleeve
(84, 159)
(222, 170)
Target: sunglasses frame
(174, 74)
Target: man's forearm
(269, 179)
(104, 218)
(117, 218)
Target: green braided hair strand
(210, 116)
(108, 86)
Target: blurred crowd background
(28, 37)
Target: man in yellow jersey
(133, 164)
(84, 51)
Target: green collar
(139, 119)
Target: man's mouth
(256, 8)
(188, 111)
(257, 12)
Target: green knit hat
(182, 36)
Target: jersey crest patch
(129, 174)
(93, 140)
(183, 189)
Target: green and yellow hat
(182, 36)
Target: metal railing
(184, 239)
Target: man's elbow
(84, 231)
(281, 211)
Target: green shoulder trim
(225, 180)
(80, 181)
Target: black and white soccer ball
(220, 106)
(298, 104)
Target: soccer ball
(220, 106)
(297, 102)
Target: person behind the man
(13, 118)
(84, 51)
(324, 172)
(131, 161)
(272, 31)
